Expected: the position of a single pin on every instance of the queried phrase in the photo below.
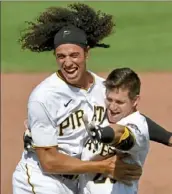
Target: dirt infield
(156, 102)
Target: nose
(113, 106)
(68, 62)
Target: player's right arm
(45, 142)
(53, 161)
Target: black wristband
(107, 135)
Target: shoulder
(51, 93)
(49, 88)
(99, 82)
(136, 122)
(97, 77)
(135, 118)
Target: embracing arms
(45, 144)
(53, 161)
(45, 141)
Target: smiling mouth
(114, 113)
(71, 71)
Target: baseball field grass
(142, 38)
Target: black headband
(70, 35)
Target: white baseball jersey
(55, 111)
(97, 183)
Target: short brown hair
(124, 78)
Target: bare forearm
(64, 164)
(74, 165)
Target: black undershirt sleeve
(157, 133)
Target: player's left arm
(157, 133)
(116, 135)
(126, 139)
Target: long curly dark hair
(39, 35)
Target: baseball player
(122, 97)
(56, 106)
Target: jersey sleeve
(136, 139)
(42, 129)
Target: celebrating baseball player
(57, 105)
(122, 98)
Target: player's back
(93, 184)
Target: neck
(132, 111)
(87, 80)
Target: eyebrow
(58, 54)
(120, 101)
(75, 53)
(62, 54)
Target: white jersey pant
(29, 180)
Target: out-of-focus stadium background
(142, 39)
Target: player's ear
(87, 52)
(136, 100)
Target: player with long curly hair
(56, 106)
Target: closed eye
(109, 99)
(74, 55)
(60, 56)
(119, 102)
(116, 101)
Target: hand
(126, 173)
(121, 171)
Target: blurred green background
(143, 38)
